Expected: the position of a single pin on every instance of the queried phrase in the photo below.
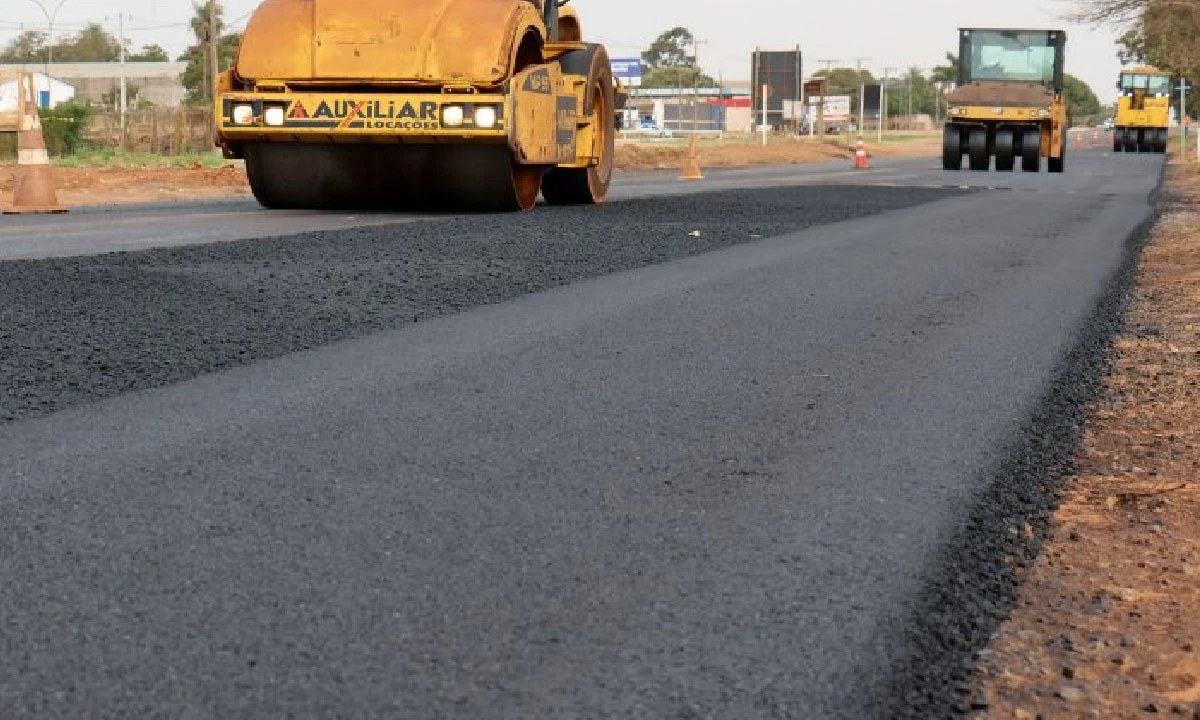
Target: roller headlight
(273, 115)
(1043, 113)
(243, 114)
(452, 115)
(485, 117)
(956, 111)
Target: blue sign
(628, 70)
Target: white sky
(886, 33)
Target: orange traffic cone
(1095, 138)
(691, 164)
(34, 191)
(861, 161)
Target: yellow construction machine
(1009, 101)
(456, 104)
(1143, 111)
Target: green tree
(912, 94)
(947, 73)
(1162, 33)
(669, 64)
(29, 46)
(195, 75)
(1131, 47)
(91, 44)
(1081, 100)
(149, 53)
(844, 80)
(671, 49)
(677, 77)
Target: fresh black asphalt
(614, 469)
(81, 328)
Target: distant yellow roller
(1143, 118)
(453, 104)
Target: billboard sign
(873, 100)
(837, 108)
(780, 71)
(628, 71)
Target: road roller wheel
(1031, 150)
(952, 147)
(463, 178)
(1131, 140)
(1164, 139)
(270, 168)
(1005, 150)
(589, 186)
(977, 149)
(1118, 140)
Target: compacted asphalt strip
(695, 456)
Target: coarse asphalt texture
(756, 471)
(81, 328)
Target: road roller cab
(457, 104)
(1143, 119)
(1009, 102)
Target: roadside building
(50, 91)
(684, 110)
(99, 83)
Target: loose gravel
(76, 330)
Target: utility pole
(908, 88)
(883, 106)
(862, 95)
(124, 102)
(1183, 88)
(212, 49)
(696, 83)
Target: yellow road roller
(1009, 102)
(437, 104)
(1143, 120)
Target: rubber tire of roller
(589, 186)
(977, 149)
(1031, 150)
(952, 147)
(1006, 150)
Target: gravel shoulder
(1105, 624)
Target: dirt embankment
(95, 185)
(1107, 624)
(123, 184)
(652, 156)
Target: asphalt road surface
(699, 453)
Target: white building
(50, 92)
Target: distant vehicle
(1143, 110)
(1108, 124)
(647, 126)
(1009, 103)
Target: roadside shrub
(64, 126)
